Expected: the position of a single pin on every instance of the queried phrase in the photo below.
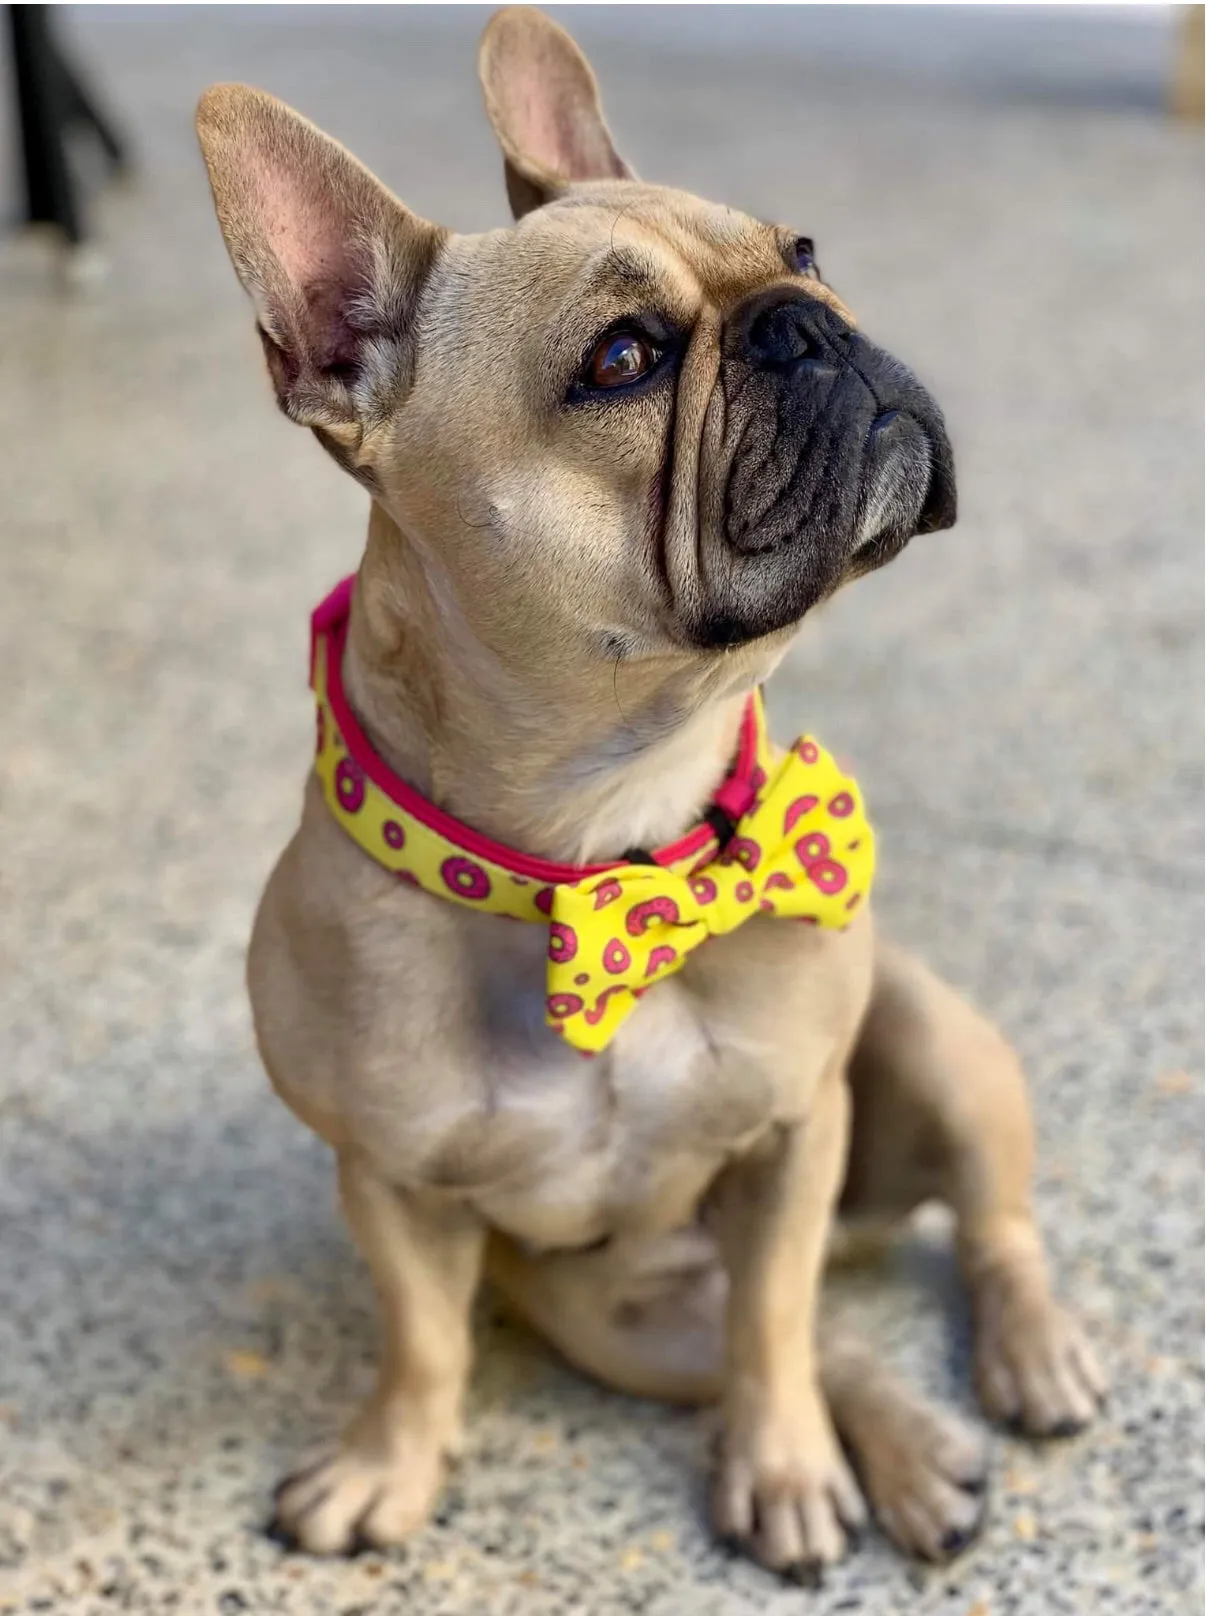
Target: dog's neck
(578, 767)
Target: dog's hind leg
(940, 1112)
(644, 1318)
(649, 1321)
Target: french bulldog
(615, 455)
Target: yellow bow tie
(804, 852)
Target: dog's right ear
(333, 263)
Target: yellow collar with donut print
(783, 837)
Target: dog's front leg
(380, 1481)
(784, 1491)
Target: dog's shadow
(227, 1322)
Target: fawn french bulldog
(615, 455)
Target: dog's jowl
(573, 968)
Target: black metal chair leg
(49, 188)
(51, 101)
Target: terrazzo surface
(180, 1311)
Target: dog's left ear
(543, 101)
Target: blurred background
(1010, 198)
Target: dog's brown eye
(802, 255)
(619, 359)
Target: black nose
(775, 330)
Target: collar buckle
(724, 825)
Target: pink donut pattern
(563, 942)
(349, 786)
(703, 889)
(560, 1005)
(607, 892)
(659, 958)
(743, 850)
(595, 1015)
(616, 957)
(466, 879)
(811, 848)
(797, 810)
(393, 835)
(642, 915)
(828, 875)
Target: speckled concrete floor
(179, 1308)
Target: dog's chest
(572, 1149)
(628, 1139)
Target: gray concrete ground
(180, 1312)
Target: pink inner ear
(543, 129)
(308, 226)
(553, 117)
(305, 227)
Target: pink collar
(734, 797)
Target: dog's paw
(364, 1492)
(1034, 1368)
(925, 1476)
(785, 1495)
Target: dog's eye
(802, 255)
(619, 359)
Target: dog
(616, 455)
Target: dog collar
(784, 837)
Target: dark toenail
(1065, 1428)
(976, 1484)
(955, 1541)
(854, 1535)
(730, 1543)
(276, 1533)
(359, 1542)
(806, 1574)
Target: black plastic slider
(724, 826)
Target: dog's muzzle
(833, 456)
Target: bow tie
(804, 852)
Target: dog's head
(636, 425)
